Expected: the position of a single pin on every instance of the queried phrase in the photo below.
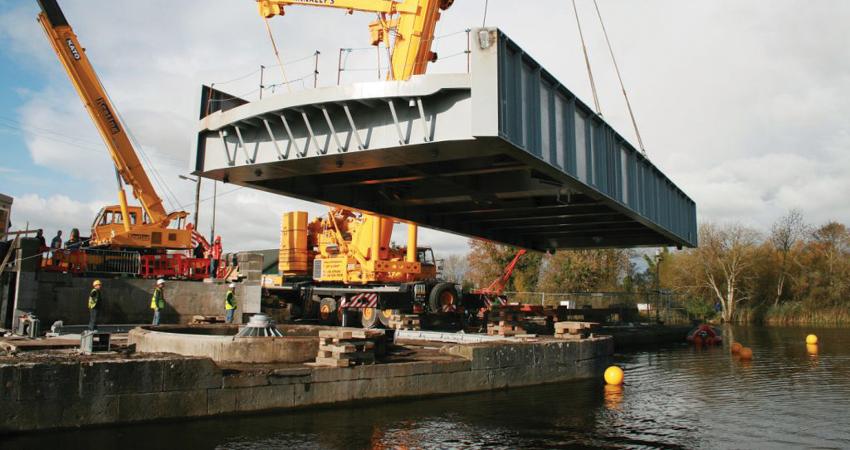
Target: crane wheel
(443, 299)
(328, 311)
(385, 315)
(369, 318)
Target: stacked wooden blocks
(343, 348)
(574, 330)
(505, 323)
(405, 322)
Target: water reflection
(675, 397)
(613, 396)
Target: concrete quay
(41, 392)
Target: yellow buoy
(746, 354)
(812, 349)
(736, 347)
(811, 339)
(614, 375)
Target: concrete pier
(39, 392)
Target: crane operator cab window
(425, 256)
(111, 216)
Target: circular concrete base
(299, 343)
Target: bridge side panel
(542, 117)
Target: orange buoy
(614, 375)
(812, 339)
(736, 347)
(746, 353)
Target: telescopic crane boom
(413, 29)
(121, 225)
(413, 33)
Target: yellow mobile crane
(345, 260)
(148, 227)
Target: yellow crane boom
(131, 229)
(413, 32)
(413, 29)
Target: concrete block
(331, 374)
(265, 397)
(77, 412)
(48, 381)
(291, 376)
(245, 379)
(452, 366)
(8, 382)
(160, 405)
(120, 377)
(221, 401)
(195, 373)
(331, 392)
(17, 416)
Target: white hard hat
(160, 281)
(231, 285)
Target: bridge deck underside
(484, 188)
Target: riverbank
(796, 314)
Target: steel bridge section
(504, 153)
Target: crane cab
(425, 257)
(108, 230)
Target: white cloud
(57, 212)
(743, 106)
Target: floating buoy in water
(746, 353)
(614, 375)
(812, 349)
(704, 335)
(812, 339)
(735, 348)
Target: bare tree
(725, 254)
(455, 268)
(785, 233)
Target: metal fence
(658, 306)
(109, 261)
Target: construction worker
(215, 257)
(230, 303)
(158, 300)
(94, 304)
(56, 243)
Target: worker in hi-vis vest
(158, 300)
(94, 304)
(230, 303)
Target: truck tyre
(385, 315)
(443, 299)
(328, 311)
(369, 317)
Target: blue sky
(744, 107)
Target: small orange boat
(704, 335)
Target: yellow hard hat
(96, 283)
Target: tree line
(794, 272)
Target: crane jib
(103, 107)
(73, 49)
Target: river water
(788, 396)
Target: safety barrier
(93, 261)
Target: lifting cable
(617, 69)
(277, 54)
(587, 62)
(484, 21)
